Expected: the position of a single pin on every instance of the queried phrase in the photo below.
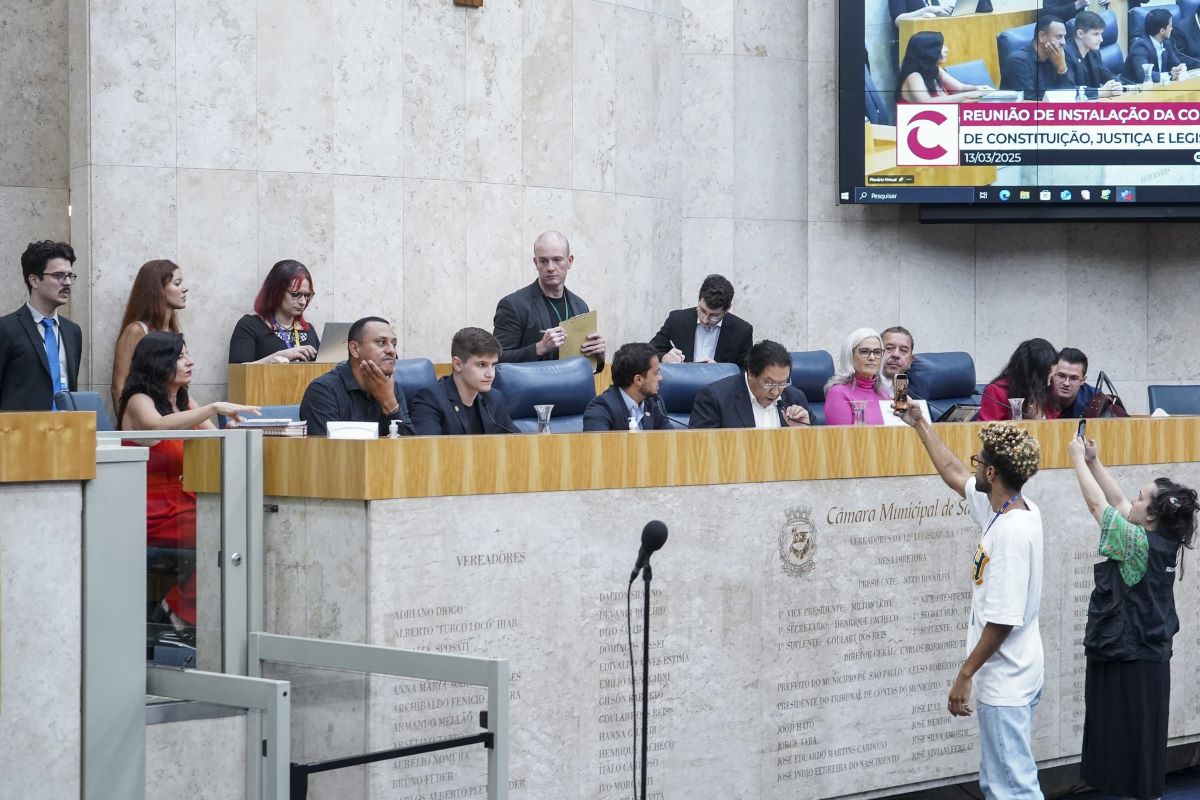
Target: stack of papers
(277, 427)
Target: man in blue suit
(760, 397)
(464, 401)
(631, 403)
(1068, 383)
(1157, 50)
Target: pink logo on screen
(926, 135)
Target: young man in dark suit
(1084, 64)
(40, 350)
(529, 321)
(1157, 50)
(464, 401)
(760, 397)
(708, 333)
(631, 403)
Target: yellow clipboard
(578, 328)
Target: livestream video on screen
(1019, 101)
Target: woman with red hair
(157, 294)
(277, 333)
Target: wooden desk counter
(47, 446)
(284, 384)
(435, 466)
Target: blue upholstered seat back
(411, 374)
(1013, 39)
(567, 383)
(681, 382)
(943, 379)
(1174, 399)
(810, 370)
(974, 73)
(85, 401)
(1137, 20)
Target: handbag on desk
(1105, 403)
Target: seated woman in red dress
(1026, 376)
(155, 397)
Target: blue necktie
(52, 357)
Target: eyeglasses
(865, 352)
(305, 296)
(61, 277)
(1062, 376)
(976, 462)
(769, 385)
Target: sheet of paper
(890, 418)
(578, 328)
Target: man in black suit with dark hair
(760, 397)
(631, 403)
(1040, 66)
(529, 321)
(707, 333)
(1157, 50)
(40, 350)
(1084, 63)
(464, 401)
(1186, 35)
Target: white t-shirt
(1006, 578)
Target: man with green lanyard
(529, 321)
(1004, 663)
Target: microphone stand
(646, 578)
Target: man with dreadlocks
(1004, 644)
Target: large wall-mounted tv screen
(1019, 102)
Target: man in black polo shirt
(360, 389)
(1040, 66)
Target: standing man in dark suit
(40, 350)
(631, 403)
(528, 321)
(1157, 50)
(464, 401)
(708, 333)
(1084, 64)
(760, 397)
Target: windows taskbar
(1023, 195)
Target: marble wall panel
(633, 314)
(435, 266)
(821, 28)
(218, 241)
(546, 94)
(28, 215)
(133, 220)
(595, 98)
(1107, 277)
(777, 289)
(493, 139)
(80, 233)
(1172, 326)
(666, 71)
(708, 26)
(671, 9)
(296, 220)
(667, 285)
(132, 83)
(544, 210)
(295, 79)
(597, 242)
(637, 149)
(34, 95)
(368, 87)
(180, 759)
(368, 251)
(707, 136)
(79, 119)
(216, 74)
(434, 89)
(853, 281)
(771, 29)
(40, 724)
(770, 180)
(936, 266)
(1017, 268)
(707, 246)
(496, 255)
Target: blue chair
(84, 401)
(567, 383)
(1011, 40)
(1174, 399)
(810, 371)
(974, 73)
(1137, 19)
(942, 380)
(411, 374)
(681, 382)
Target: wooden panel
(467, 465)
(284, 384)
(47, 446)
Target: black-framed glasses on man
(61, 277)
(305, 296)
(976, 461)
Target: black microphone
(658, 400)
(934, 411)
(783, 417)
(488, 411)
(654, 536)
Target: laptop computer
(333, 342)
(964, 7)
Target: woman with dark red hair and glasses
(277, 333)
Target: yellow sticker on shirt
(978, 563)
